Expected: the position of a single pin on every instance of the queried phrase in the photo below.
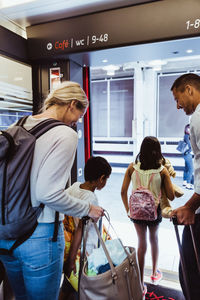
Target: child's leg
(153, 238)
(141, 230)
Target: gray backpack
(18, 219)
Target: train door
(45, 77)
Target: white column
(145, 91)
(138, 109)
(150, 102)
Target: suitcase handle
(182, 261)
(174, 220)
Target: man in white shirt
(186, 91)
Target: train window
(99, 108)
(121, 108)
(112, 100)
(16, 97)
(167, 127)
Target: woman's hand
(96, 212)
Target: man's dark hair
(95, 167)
(189, 78)
(150, 155)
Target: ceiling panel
(40, 11)
(37, 11)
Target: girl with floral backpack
(148, 176)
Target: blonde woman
(34, 270)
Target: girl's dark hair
(150, 155)
(95, 167)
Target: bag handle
(106, 215)
(108, 219)
(114, 273)
(82, 258)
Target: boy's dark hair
(189, 78)
(150, 155)
(95, 167)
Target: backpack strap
(21, 121)
(159, 196)
(137, 178)
(38, 130)
(150, 180)
(139, 181)
(22, 239)
(56, 226)
(42, 127)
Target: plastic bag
(98, 258)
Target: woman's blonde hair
(66, 92)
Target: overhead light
(189, 51)
(129, 66)
(157, 68)
(157, 62)
(9, 3)
(104, 60)
(110, 69)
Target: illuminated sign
(150, 22)
(74, 43)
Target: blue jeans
(188, 170)
(35, 268)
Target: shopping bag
(120, 282)
(182, 147)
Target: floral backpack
(142, 204)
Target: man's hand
(184, 214)
(96, 212)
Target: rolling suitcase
(187, 289)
